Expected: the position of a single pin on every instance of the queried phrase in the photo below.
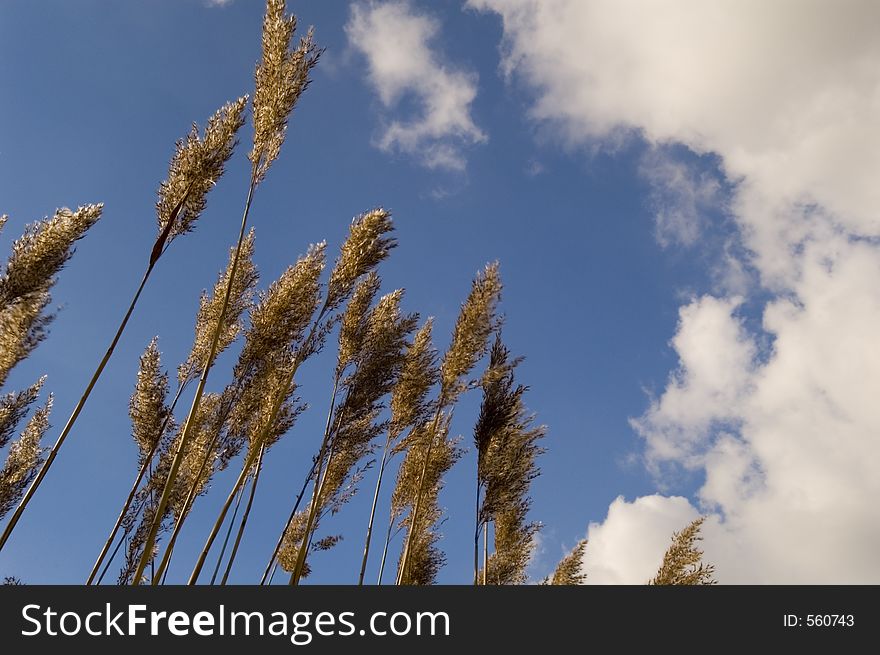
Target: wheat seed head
(284, 311)
(514, 545)
(40, 253)
(475, 323)
(425, 559)
(445, 452)
(353, 326)
(197, 164)
(280, 79)
(23, 326)
(25, 455)
(569, 571)
(147, 405)
(197, 466)
(417, 375)
(682, 561)
(365, 248)
(14, 406)
(380, 357)
(291, 541)
(210, 307)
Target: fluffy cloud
(787, 95)
(628, 547)
(716, 367)
(396, 41)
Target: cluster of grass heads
(392, 398)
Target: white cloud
(787, 95)
(628, 546)
(716, 366)
(218, 3)
(397, 43)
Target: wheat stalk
(429, 455)
(194, 169)
(245, 279)
(506, 445)
(476, 321)
(376, 348)
(37, 257)
(280, 79)
(408, 407)
(351, 335)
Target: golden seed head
(444, 453)
(380, 357)
(23, 325)
(284, 311)
(197, 466)
(240, 298)
(470, 337)
(682, 563)
(24, 458)
(418, 374)
(425, 559)
(14, 406)
(353, 325)
(40, 253)
(262, 391)
(30, 272)
(514, 545)
(377, 352)
(147, 407)
(507, 447)
(569, 571)
(280, 79)
(366, 246)
(290, 544)
(197, 164)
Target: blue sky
(674, 297)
